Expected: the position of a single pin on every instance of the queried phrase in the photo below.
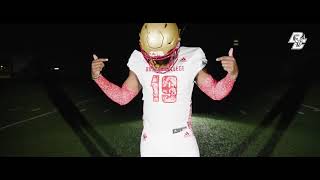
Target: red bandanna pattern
(122, 95)
(217, 90)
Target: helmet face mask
(160, 43)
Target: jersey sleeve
(199, 61)
(135, 63)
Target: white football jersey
(167, 97)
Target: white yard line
(26, 120)
(41, 115)
(311, 107)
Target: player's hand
(97, 66)
(229, 64)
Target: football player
(166, 72)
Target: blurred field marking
(23, 121)
(36, 109)
(84, 101)
(243, 112)
(41, 115)
(15, 108)
(311, 107)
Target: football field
(79, 121)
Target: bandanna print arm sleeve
(121, 95)
(217, 90)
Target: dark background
(264, 56)
(262, 46)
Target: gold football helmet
(160, 43)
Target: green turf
(48, 136)
(217, 134)
(302, 137)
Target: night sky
(263, 47)
(264, 56)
